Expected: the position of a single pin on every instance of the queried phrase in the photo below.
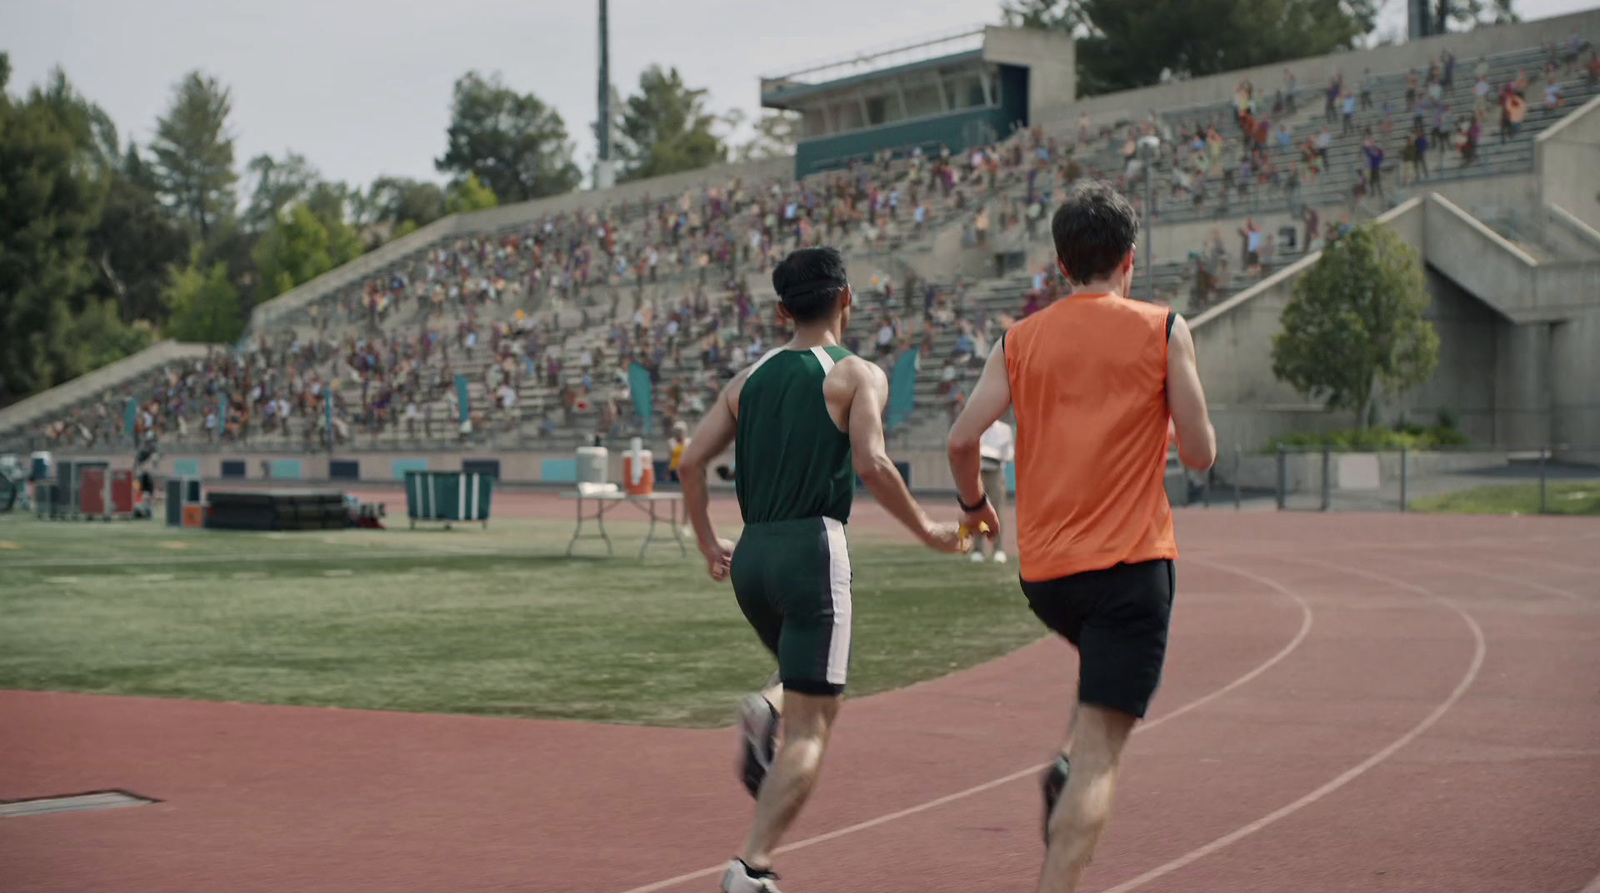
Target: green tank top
(790, 459)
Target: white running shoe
(999, 557)
(738, 879)
(758, 740)
(977, 556)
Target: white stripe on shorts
(839, 588)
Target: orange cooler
(638, 470)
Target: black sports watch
(982, 501)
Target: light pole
(604, 171)
(1149, 151)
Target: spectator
(1552, 96)
(965, 349)
(676, 444)
(885, 339)
(1374, 156)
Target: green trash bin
(448, 496)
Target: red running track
(1352, 703)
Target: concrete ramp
(1503, 275)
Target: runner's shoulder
(856, 370)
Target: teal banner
(327, 412)
(130, 417)
(639, 386)
(461, 396)
(902, 389)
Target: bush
(1410, 437)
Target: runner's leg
(1094, 748)
(807, 722)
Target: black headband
(813, 285)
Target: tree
(205, 305)
(104, 338)
(1123, 45)
(775, 137)
(666, 128)
(134, 244)
(1355, 324)
(277, 183)
(470, 195)
(301, 246)
(194, 152)
(1468, 14)
(513, 143)
(134, 239)
(398, 200)
(49, 201)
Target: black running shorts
(1118, 620)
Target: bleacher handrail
(1483, 229)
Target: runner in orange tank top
(1096, 380)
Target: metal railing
(1542, 479)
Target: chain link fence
(1553, 479)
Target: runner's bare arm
(710, 439)
(990, 400)
(870, 393)
(1186, 400)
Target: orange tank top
(1089, 383)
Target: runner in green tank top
(805, 420)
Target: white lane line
(1354, 772)
(1515, 581)
(1299, 636)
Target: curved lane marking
(1349, 775)
(1299, 636)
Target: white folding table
(604, 501)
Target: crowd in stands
(546, 318)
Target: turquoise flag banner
(461, 396)
(643, 395)
(130, 418)
(327, 411)
(903, 389)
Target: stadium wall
(1051, 60)
(1314, 72)
(1566, 159)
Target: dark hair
(809, 282)
(1094, 230)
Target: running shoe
(758, 740)
(740, 878)
(1054, 781)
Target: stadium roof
(899, 55)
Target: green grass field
(493, 622)
(1562, 498)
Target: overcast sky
(362, 87)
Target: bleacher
(413, 294)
